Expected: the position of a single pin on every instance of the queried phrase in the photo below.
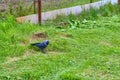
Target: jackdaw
(41, 45)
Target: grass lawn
(52, 5)
(86, 50)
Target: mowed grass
(88, 50)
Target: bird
(41, 45)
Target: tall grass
(19, 8)
(53, 5)
(104, 11)
(13, 35)
(22, 8)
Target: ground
(88, 50)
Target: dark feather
(41, 45)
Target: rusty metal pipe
(118, 1)
(39, 11)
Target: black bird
(41, 45)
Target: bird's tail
(33, 44)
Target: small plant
(73, 24)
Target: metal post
(118, 1)
(39, 11)
(91, 1)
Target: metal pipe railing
(39, 11)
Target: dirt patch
(37, 36)
(106, 43)
(67, 35)
(24, 43)
(26, 55)
(13, 59)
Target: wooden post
(39, 11)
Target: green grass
(84, 48)
(52, 5)
(48, 5)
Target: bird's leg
(43, 51)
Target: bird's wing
(35, 44)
